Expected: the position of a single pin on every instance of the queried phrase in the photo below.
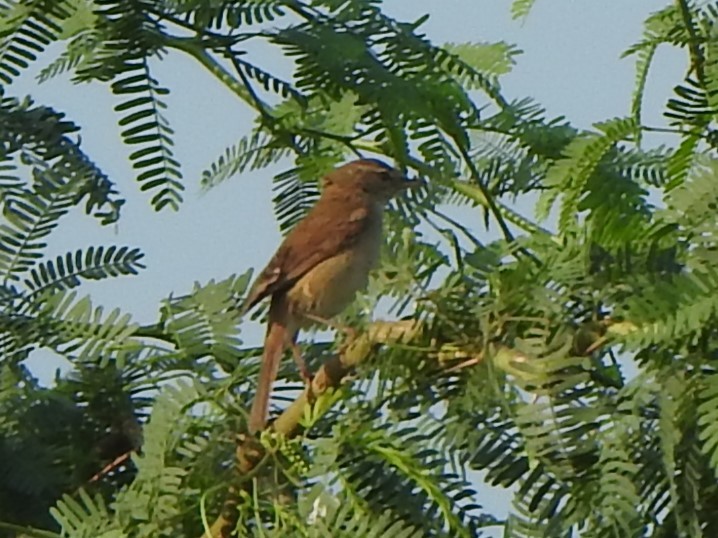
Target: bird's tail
(279, 334)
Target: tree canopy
(570, 361)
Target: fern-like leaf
(250, 153)
(95, 263)
(31, 218)
(231, 14)
(145, 125)
(205, 322)
(708, 420)
(26, 29)
(78, 50)
(86, 517)
(568, 176)
(74, 327)
(521, 8)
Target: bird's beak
(409, 182)
(412, 182)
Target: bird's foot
(304, 371)
(349, 332)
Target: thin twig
(697, 60)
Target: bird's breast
(331, 285)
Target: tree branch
(697, 60)
(331, 375)
(194, 49)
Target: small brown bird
(322, 263)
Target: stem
(696, 54)
(194, 49)
(489, 201)
(156, 331)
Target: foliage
(569, 362)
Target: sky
(231, 228)
(571, 65)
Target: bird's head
(371, 176)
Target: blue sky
(232, 228)
(571, 64)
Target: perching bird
(322, 263)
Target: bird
(321, 264)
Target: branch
(156, 331)
(488, 197)
(195, 49)
(331, 375)
(697, 60)
(214, 38)
(477, 195)
(251, 455)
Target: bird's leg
(304, 370)
(349, 332)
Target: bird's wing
(327, 230)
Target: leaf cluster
(569, 362)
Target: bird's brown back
(351, 205)
(332, 226)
